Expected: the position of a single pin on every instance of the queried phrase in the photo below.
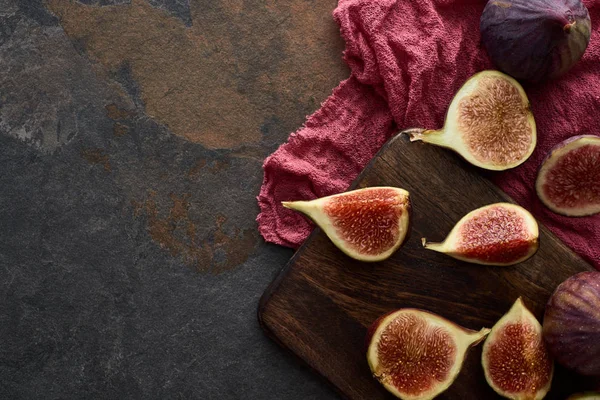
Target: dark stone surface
(131, 140)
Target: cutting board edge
(266, 296)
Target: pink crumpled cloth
(407, 59)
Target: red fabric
(408, 59)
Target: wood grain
(321, 304)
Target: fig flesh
(572, 323)
(489, 123)
(568, 181)
(415, 354)
(498, 234)
(516, 362)
(367, 224)
(535, 39)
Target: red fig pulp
(572, 323)
(367, 224)
(516, 363)
(416, 355)
(489, 123)
(535, 39)
(498, 234)
(568, 182)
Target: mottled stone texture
(131, 139)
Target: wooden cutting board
(320, 305)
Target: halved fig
(489, 123)
(367, 224)
(568, 182)
(499, 234)
(516, 362)
(415, 354)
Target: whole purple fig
(571, 326)
(535, 39)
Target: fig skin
(535, 39)
(364, 205)
(458, 340)
(585, 396)
(572, 323)
(518, 247)
(523, 367)
(549, 163)
(473, 130)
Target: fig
(416, 354)
(367, 224)
(498, 234)
(489, 123)
(516, 362)
(535, 39)
(572, 323)
(568, 181)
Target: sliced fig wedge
(489, 123)
(516, 362)
(499, 234)
(568, 182)
(367, 224)
(415, 354)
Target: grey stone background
(132, 134)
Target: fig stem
(567, 28)
(427, 136)
(479, 336)
(413, 133)
(302, 206)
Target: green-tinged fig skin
(535, 39)
(470, 238)
(471, 130)
(585, 396)
(571, 326)
(461, 340)
(368, 224)
(516, 362)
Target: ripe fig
(489, 123)
(367, 224)
(568, 182)
(415, 354)
(516, 362)
(535, 39)
(498, 234)
(572, 323)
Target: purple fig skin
(562, 144)
(571, 326)
(535, 39)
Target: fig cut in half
(415, 354)
(498, 234)
(367, 224)
(516, 362)
(489, 123)
(568, 182)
